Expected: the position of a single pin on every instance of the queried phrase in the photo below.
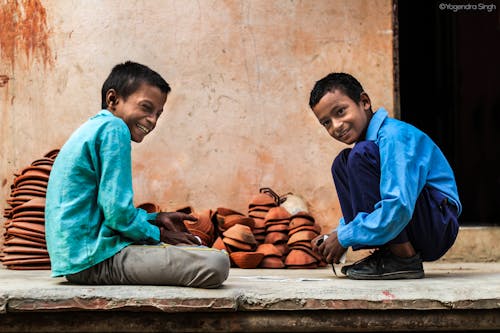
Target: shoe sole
(387, 276)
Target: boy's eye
(146, 108)
(340, 112)
(326, 123)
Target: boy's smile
(344, 119)
(140, 111)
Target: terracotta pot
(24, 249)
(23, 242)
(283, 248)
(269, 250)
(262, 199)
(258, 213)
(35, 227)
(219, 244)
(28, 213)
(39, 220)
(272, 262)
(259, 223)
(296, 222)
(299, 257)
(308, 250)
(276, 214)
(305, 235)
(277, 227)
(246, 259)
(43, 161)
(29, 267)
(227, 211)
(316, 228)
(52, 154)
(276, 237)
(242, 233)
(303, 214)
(232, 220)
(259, 209)
(237, 245)
(37, 169)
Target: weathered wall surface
(241, 72)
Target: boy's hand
(173, 221)
(330, 248)
(177, 237)
(173, 230)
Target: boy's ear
(111, 98)
(365, 101)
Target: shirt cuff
(344, 235)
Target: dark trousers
(433, 227)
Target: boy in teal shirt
(92, 226)
(396, 189)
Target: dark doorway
(449, 75)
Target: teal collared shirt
(409, 160)
(89, 213)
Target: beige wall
(241, 73)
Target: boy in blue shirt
(396, 189)
(92, 227)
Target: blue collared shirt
(409, 160)
(89, 212)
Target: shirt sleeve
(115, 196)
(403, 171)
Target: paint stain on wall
(23, 30)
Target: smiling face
(140, 110)
(344, 119)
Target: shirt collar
(375, 123)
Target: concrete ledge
(453, 296)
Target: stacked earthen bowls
(301, 231)
(24, 247)
(258, 208)
(277, 221)
(239, 241)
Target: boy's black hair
(126, 78)
(342, 81)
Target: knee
(339, 164)
(362, 154)
(218, 269)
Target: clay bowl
(277, 227)
(35, 204)
(259, 209)
(305, 235)
(11, 241)
(308, 250)
(37, 169)
(203, 223)
(303, 214)
(219, 244)
(272, 262)
(150, 207)
(43, 161)
(246, 259)
(277, 214)
(259, 223)
(276, 237)
(299, 257)
(242, 233)
(205, 238)
(232, 220)
(316, 228)
(283, 248)
(52, 154)
(237, 245)
(227, 211)
(269, 250)
(258, 213)
(297, 222)
(262, 199)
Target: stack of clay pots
(24, 247)
(277, 221)
(258, 208)
(301, 231)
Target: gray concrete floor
(453, 296)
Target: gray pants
(190, 266)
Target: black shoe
(383, 265)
